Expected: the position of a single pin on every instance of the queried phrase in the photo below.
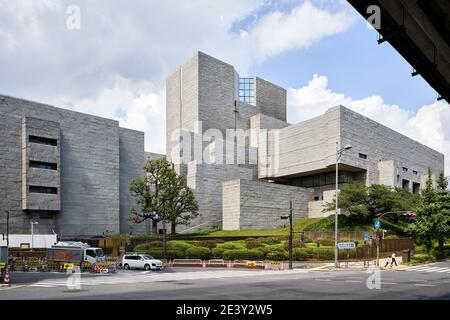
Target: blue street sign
(346, 245)
(377, 224)
(366, 236)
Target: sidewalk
(350, 266)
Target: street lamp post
(33, 223)
(290, 232)
(336, 214)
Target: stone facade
(252, 204)
(282, 161)
(89, 168)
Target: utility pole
(336, 214)
(164, 240)
(7, 228)
(285, 217)
(290, 236)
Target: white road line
(424, 285)
(322, 279)
(388, 283)
(445, 270)
(356, 281)
(437, 270)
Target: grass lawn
(299, 225)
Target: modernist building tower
(66, 170)
(282, 162)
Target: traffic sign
(377, 224)
(366, 236)
(346, 245)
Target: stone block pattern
(89, 169)
(261, 204)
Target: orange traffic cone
(6, 278)
(266, 266)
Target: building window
(43, 165)
(405, 184)
(416, 188)
(48, 190)
(42, 140)
(362, 156)
(405, 169)
(415, 172)
(323, 179)
(247, 90)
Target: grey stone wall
(132, 160)
(271, 99)
(380, 144)
(261, 204)
(37, 176)
(89, 168)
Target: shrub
(208, 244)
(243, 254)
(269, 241)
(272, 248)
(155, 244)
(392, 236)
(296, 243)
(422, 257)
(158, 253)
(141, 247)
(179, 245)
(217, 253)
(251, 243)
(325, 241)
(198, 253)
(278, 256)
(300, 254)
(232, 245)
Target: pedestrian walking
(393, 260)
(388, 261)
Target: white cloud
(429, 125)
(116, 64)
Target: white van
(141, 261)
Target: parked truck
(75, 252)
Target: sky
(115, 64)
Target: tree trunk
(173, 227)
(154, 226)
(441, 245)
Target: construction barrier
(216, 263)
(187, 263)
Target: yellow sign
(2, 265)
(68, 266)
(251, 264)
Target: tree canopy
(163, 191)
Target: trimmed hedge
(243, 254)
(422, 258)
(198, 253)
(296, 243)
(278, 256)
(232, 246)
(208, 244)
(252, 243)
(270, 241)
(217, 253)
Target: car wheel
(126, 266)
(147, 267)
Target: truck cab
(93, 255)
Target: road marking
(152, 277)
(424, 285)
(356, 281)
(438, 270)
(388, 283)
(322, 279)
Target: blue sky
(355, 65)
(115, 64)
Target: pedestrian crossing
(429, 268)
(81, 280)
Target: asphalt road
(424, 282)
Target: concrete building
(67, 170)
(274, 162)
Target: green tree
(364, 203)
(432, 221)
(164, 191)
